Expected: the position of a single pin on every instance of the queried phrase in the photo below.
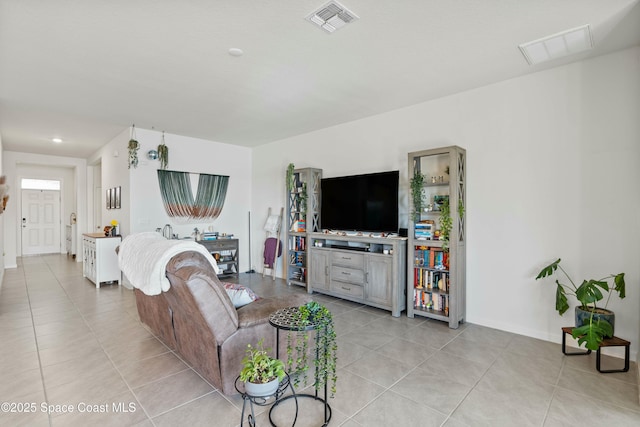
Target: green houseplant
(313, 316)
(163, 154)
(417, 194)
(290, 181)
(260, 372)
(597, 322)
(446, 222)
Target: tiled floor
(75, 347)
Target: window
(39, 184)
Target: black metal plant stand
(287, 319)
(275, 399)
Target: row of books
(436, 302)
(430, 257)
(424, 230)
(299, 275)
(298, 243)
(299, 225)
(431, 280)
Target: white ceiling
(86, 70)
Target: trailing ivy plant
(290, 181)
(417, 194)
(163, 154)
(313, 313)
(446, 222)
(133, 147)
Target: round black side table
(274, 399)
(286, 319)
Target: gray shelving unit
(436, 269)
(303, 216)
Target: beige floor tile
(369, 338)
(16, 385)
(518, 407)
(118, 411)
(379, 369)
(510, 369)
(458, 369)
(406, 352)
(611, 390)
(391, 409)
(170, 392)
(432, 388)
(122, 353)
(353, 393)
(141, 372)
(209, 409)
(69, 371)
(569, 408)
(99, 387)
(65, 351)
(472, 350)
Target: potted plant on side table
(325, 355)
(593, 323)
(260, 372)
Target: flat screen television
(360, 202)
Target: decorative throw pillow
(239, 295)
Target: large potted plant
(260, 372)
(593, 323)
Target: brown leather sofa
(196, 318)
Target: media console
(359, 268)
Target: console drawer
(347, 259)
(348, 289)
(345, 274)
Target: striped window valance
(177, 195)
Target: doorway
(40, 218)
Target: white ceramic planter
(261, 390)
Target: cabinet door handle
(326, 270)
(345, 288)
(346, 273)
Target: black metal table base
(277, 398)
(327, 407)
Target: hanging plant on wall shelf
(290, 182)
(417, 194)
(133, 147)
(163, 154)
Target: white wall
(551, 172)
(142, 208)
(49, 167)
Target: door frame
(19, 209)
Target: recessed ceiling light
(57, 140)
(234, 51)
(557, 45)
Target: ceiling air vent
(332, 16)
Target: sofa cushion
(240, 296)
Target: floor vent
(332, 16)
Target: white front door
(40, 222)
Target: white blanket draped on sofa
(143, 258)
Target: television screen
(360, 202)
